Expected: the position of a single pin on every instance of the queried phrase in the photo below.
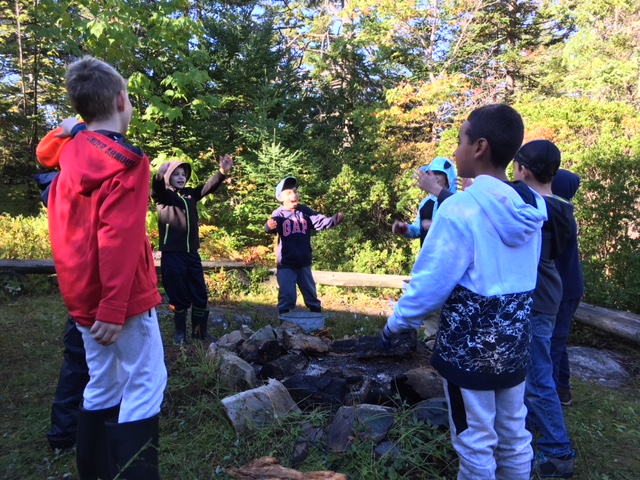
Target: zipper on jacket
(186, 208)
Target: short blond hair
(92, 86)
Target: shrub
(607, 213)
(24, 237)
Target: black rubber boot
(74, 375)
(180, 322)
(134, 448)
(91, 452)
(199, 324)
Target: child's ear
(482, 147)
(524, 171)
(121, 100)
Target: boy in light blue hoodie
(445, 174)
(480, 270)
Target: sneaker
(564, 394)
(554, 467)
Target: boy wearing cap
(181, 266)
(536, 164)
(444, 172)
(293, 223)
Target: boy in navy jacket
(565, 184)
(293, 224)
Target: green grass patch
(197, 441)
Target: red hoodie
(97, 225)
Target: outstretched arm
(322, 222)
(158, 185)
(49, 148)
(226, 164)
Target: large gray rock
(420, 383)
(305, 343)
(599, 366)
(369, 422)
(233, 340)
(235, 374)
(259, 407)
(262, 347)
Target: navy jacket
(294, 234)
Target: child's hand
(339, 217)
(105, 333)
(226, 164)
(272, 224)
(162, 171)
(399, 228)
(426, 224)
(466, 182)
(67, 125)
(386, 339)
(427, 181)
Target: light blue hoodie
(439, 164)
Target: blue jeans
(541, 398)
(288, 278)
(559, 356)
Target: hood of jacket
(446, 166)
(565, 184)
(171, 166)
(92, 158)
(515, 220)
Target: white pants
(131, 372)
(488, 433)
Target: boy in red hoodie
(97, 225)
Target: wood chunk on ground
(267, 468)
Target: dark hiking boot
(546, 466)
(565, 397)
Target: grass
(198, 442)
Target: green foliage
(24, 237)
(350, 97)
(609, 228)
(224, 285)
(599, 141)
(258, 277)
(261, 171)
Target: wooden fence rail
(625, 325)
